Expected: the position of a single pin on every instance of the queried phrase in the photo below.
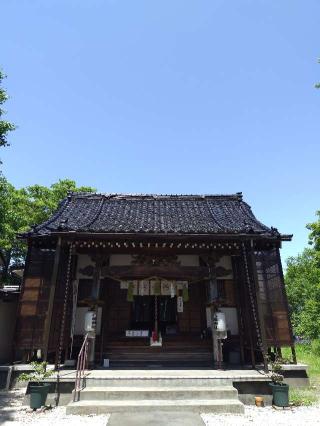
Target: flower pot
(259, 401)
(280, 394)
(38, 395)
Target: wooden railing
(82, 364)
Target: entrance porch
(154, 316)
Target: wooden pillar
(48, 320)
(249, 325)
(239, 272)
(95, 293)
(240, 312)
(211, 299)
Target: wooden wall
(193, 318)
(33, 302)
(117, 310)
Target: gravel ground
(13, 412)
(267, 416)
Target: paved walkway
(157, 418)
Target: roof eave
(146, 235)
(286, 237)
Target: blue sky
(168, 97)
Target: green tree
(22, 208)
(314, 236)
(303, 290)
(5, 126)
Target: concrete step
(157, 393)
(158, 355)
(156, 364)
(157, 381)
(199, 406)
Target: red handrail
(82, 364)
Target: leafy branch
(39, 374)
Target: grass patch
(303, 396)
(308, 395)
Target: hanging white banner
(179, 304)
(144, 288)
(172, 290)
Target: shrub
(38, 374)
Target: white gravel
(267, 416)
(13, 413)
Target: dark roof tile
(169, 214)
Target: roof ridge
(237, 196)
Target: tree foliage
(303, 285)
(314, 236)
(24, 207)
(303, 290)
(5, 126)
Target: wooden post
(95, 293)
(239, 309)
(248, 322)
(54, 278)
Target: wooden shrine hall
(153, 280)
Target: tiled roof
(153, 214)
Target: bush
(315, 347)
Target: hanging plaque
(179, 304)
(134, 284)
(144, 289)
(124, 285)
(165, 287)
(135, 287)
(182, 284)
(155, 287)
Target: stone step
(151, 354)
(155, 393)
(157, 381)
(199, 406)
(156, 364)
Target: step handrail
(82, 364)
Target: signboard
(137, 333)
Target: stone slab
(156, 418)
(294, 367)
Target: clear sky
(169, 96)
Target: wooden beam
(54, 278)
(145, 271)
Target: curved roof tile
(158, 214)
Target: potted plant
(280, 390)
(38, 389)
